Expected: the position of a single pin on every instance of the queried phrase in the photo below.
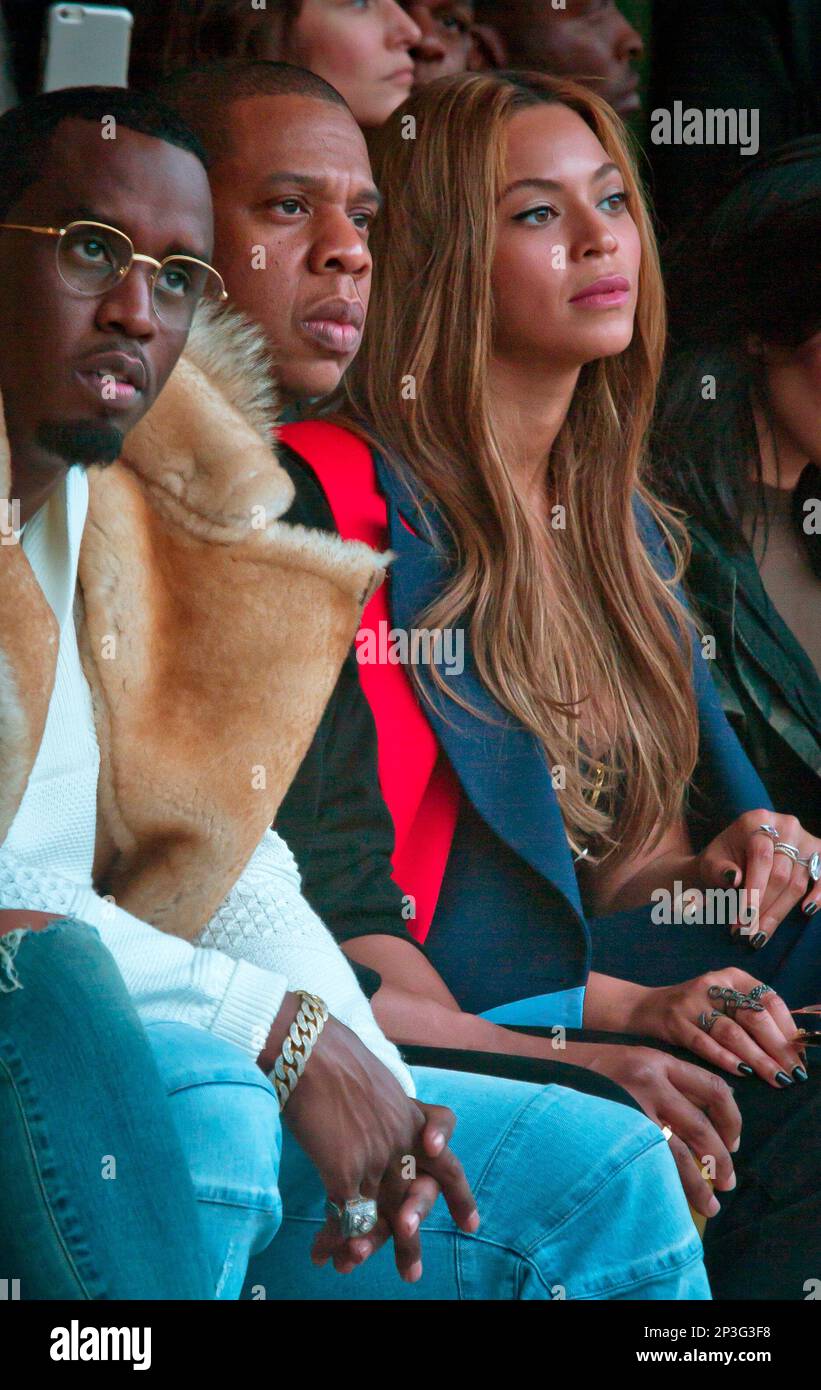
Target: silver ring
(812, 865)
(357, 1218)
(792, 851)
(707, 1021)
(767, 830)
(758, 990)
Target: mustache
(80, 441)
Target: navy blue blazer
(510, 924)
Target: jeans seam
(41, 1182)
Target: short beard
(81, 443)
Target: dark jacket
(767, 684)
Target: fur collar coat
(211, 635)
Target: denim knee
(227, 1117)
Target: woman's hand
(366, 1136)
(743, 856)
(695, 1104)
(759, 1039)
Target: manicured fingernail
(783, 1079)
(745, 1069)
(734, 1148)
(729, 875)
(415, 1272)
(714, 1207)
(759, 940)
(438, 1141)
(413, 1223)
(810, 909)
(800, 1074)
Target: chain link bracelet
(298, 1045)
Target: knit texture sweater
(264, 939)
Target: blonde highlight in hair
(607, 624)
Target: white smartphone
(86, 45)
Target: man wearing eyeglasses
(152, 614)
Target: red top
(417, 782)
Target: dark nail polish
(729, 875)
(759, 940)
(810, 909)
(745, 1069)
(783, 1079)
(800, 1074)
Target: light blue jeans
(579, 1197)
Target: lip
(607, 292)
(406, 74)
(336, 324)
(628, 99)
(130, 375)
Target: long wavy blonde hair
(607, 624)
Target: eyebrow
(553, 186)
(316, 185)
(82, 212)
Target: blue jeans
(579, 1197)
(96, 1201)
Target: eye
(291, 207)
(536, 217)
(93, 250)
(363, 220)
(614, 202)
(174, 279)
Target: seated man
(167, 649)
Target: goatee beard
(81, 442)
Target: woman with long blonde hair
(564, 787)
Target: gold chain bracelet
(298, 1045)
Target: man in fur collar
(155, 616)
(203, 643)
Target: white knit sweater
(263, 940)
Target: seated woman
(739, 449)
(572, 766)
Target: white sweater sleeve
(169, 980)
(265, 920)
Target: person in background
(364, 50)
(448, 42)
(315, 230)
(587, 40)
(759, 56)
(738, 448)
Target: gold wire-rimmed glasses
(92, 258)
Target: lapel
(501, 766)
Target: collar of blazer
(211, 634)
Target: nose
(127, 308)
(340, 247)
(430, 47)
(629, 43)
(402, 32)
(592, 235)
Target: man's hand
(365, 1135)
